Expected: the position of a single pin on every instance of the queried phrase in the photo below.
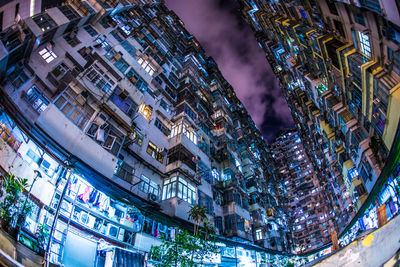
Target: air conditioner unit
(112, 230)
(152, 197)
(123, 94)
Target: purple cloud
(229, 40)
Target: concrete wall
(69, 136)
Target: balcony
(183, 140)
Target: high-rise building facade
(337, 63)
(114, 113)
(309, 206)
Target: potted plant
(12, 187)
(42, 234)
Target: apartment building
(309, 206)
(118, 109)
(337, 63)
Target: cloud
(230, 41)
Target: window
(206, 202)
(395, 59)
(124, 171)
(186, 130)
(164, 105)
(125, 103)
(68, 12)
(109, 137)
(215, 174)
(90, 30)
(146, 65)
(99, 79)
(36, 98)
(136, 80)
(361, 190)
(137, 137)
(101, 41)
(44, 22)
(186, 191)
(352, 173)
(72, 39)
(59, 71)
(189, 112)
(218, 223)
(259, 234)
(129, 48)
(169, 189)
(359, 18)
(164, 129)
(47, 55)
(179, 187)
(18, 78)
(121, 65)
(364, 44)
(218, 113)
(148, 186)
(69, 104)
(145, 110)
(366, 172)
(155, 152)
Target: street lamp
(20, 214)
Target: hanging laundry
(104, 203)
(99, 197)
(154, 231)
(100, 135)
(84, 197)
(93, 196)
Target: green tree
(186, 249)
(198, 215)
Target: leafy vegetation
(186, 249)
(11, 191)
(42, 234)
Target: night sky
(227, 38)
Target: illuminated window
(155, 152)
(177, 186)
(146, 66)
(47, 55)
(364, 44)
(352, 173)
(137, 137)
(44, 21)
(185, 129)
(259, 234)
(215, 174)
(146, 111)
